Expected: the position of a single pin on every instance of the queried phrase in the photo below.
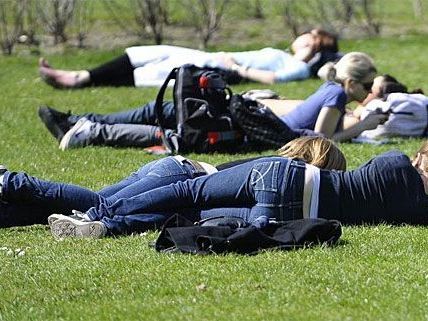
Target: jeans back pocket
(166, 167)
(264, 176)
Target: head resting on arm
(318, 151)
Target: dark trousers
(117, 72)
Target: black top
(385, 189)
(236, 162)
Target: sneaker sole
(65, 141)
(63, 228)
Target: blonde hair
(354, 65)
(423, 150)
(318, 151)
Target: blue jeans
(29, 200)
(132, 128)
(255, 191)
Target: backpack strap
(159, 106)
(159, 98)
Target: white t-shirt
(153, 63)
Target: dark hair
(328, 40)
(389, 78)
(417, 91)
(392, 85)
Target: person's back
(305, 116)
(385, 189)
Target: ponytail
(327, 72)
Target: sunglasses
(367, 85)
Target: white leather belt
(311, 191)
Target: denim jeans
(29, 200)
(255, 191)
(132, 128)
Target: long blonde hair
(318, 151)
(354, 65)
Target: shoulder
(332, 87)
(393, 154)
(392, 159)
(332, 94)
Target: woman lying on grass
(150, 65)
(388, 188)
(350, 79)
(28, 200)
(323, 112)
(382, 86)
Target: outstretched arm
(263, 76)
(329, 118)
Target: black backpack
(261, 126)
(204, 123)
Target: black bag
(224, 234)
(261, 126)
(201, 99)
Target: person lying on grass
(322, 113)
(389, 188)
(150, 65)
(382, 86)
(26, 200)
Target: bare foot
(62, 78)
(44, 63)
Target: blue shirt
(285, 66)
(304, 116)
(385, 189)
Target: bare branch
(83, 20)
(56, 15)
(150, 17)
(115, 9)
(205, 17)
(11, 23)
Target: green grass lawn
(375, 273)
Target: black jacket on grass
(228, 234)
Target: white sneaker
(55, 217)
(70, 227)
(76, 215)
(82, 125)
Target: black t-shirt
(236, 162)
(385, 189)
